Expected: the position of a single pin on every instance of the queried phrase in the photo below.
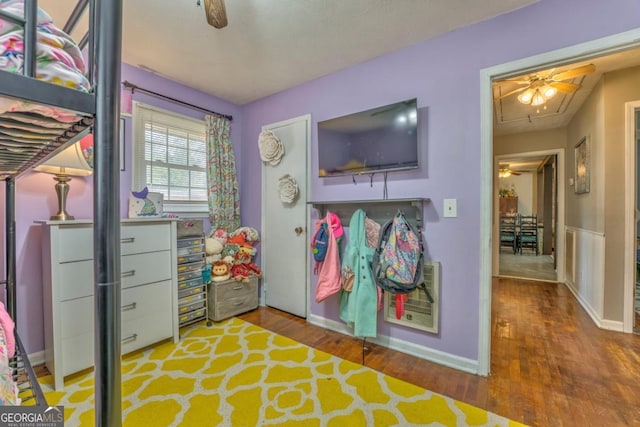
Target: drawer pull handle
(128, 273)
(128, 240)
(237, 288)
(131, 306)
(238, 303)
(129, 338)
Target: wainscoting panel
(587, 282)
(570, 258)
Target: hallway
(527, 266)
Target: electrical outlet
(450, 208)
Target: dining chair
(528, 233)
(508, 232)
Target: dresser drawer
(183, 259)
(135, 269)
(230, 297)
(233, 289)
(188, 243)
(144, 268)
(76, 245)
(193, 290)
(137, 238)
(145, 331)
(76, 317)
(76, 279)
(233, 306)
(188, 284)
(190, 250)
(77, 353)
(148, 300)
(188, 276)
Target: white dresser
(148, 294)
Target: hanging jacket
(329, 269)
(358, 308)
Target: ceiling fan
(537, 88)
(215, 12)
(506, 172)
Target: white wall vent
(419, 313)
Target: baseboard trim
(36, 358)
(435, 356)
(611, 325)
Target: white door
(284, 225)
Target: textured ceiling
(272, 45)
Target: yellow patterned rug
(237, 374)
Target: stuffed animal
(243, 268)
(213, 249)
(220, 271)
(219, 235)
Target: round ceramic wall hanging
(271, 148)
(288, 188)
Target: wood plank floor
(550, 364)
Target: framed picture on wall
(583, 167)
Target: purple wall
(36, 199)
(444, 74)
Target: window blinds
(169, 155)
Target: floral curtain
(222, 180)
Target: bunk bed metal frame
(100, 109)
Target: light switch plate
(450, 208)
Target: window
(170, 157)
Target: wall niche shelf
(380, 210)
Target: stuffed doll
(220, 271)
(213, 249)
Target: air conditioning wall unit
(419, 312)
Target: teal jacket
(358, 308)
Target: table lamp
(76, 160)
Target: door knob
(298, 230)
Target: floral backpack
(397, 261)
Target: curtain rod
(133, 88)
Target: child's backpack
(320, 242)
(398, 259)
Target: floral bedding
(58, 59)
(8, 386)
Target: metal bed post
(106, 209)
(30, 40)
(10, 223)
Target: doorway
(527, 194)
(489, 230)
(636, 296)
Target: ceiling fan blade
(512, 92)
(564, 87)
(575, 72)
(216, 13)
(508, 82)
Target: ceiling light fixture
(538, 94)
(504, 172)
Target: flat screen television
(382, 139)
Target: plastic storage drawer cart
(192, 291)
